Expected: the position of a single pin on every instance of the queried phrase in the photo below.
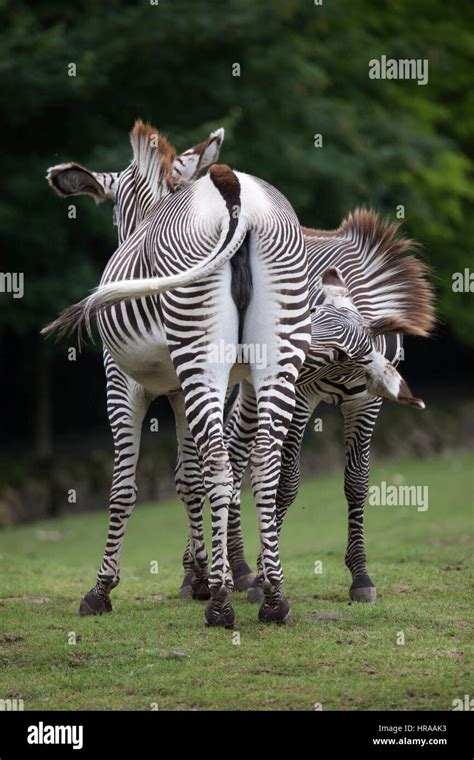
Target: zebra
(365, 293)
(179, 256)
(134, 191)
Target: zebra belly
(158, 377)
(147, 361)
(152, 369)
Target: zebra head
(342, 339)
(154, 171)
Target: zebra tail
(79, 315)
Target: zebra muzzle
(405, 396)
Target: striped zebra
(134, 192)
(166, 300)
(365, 293)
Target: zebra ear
(335, 290)
(187, 165)
(74, 179)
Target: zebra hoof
(255, 592)
(243, 577)
(244, 582)
(363, 594)
(186, 589)
(219, 614)
(362, 589)
(200, 588)
(201, 591)
(186, 592)
(92, 604)
(279, 613)
(255, 595)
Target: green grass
(418, 560)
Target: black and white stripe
(380, 284)
(163, 302)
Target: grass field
(153, 651)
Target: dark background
(303, 71)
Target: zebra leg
(205, 420)
(265, 467)
(360, 417)
(218, 482)
(290, 475)
(265, 472)
(127, 403)
(190, 488)
(199, 319)
(279, 330)
(239, 434)
(186, 588)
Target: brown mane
(153, 153)
(383, 277)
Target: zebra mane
(385, 281)
(153, 155)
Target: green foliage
(350, 661)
